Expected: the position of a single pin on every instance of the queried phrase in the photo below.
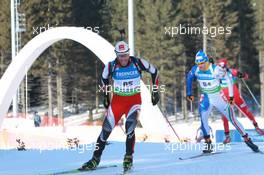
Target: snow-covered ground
(149, 158)
(14, 128)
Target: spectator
(37, 119)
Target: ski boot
(227, 138)
(90, 165)
(208, 147)
(258, 130)
(127, 163)
(250, 144)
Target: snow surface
(149, 158)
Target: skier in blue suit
(208, 76)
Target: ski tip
(128, 171)
(260, 151)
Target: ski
(199, 155)
(126, 172)
(75, 171)
(260, 152)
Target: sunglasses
(200, 63)
(122, 55)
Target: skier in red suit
(239, 101)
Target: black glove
(190, 98)
(155, 97)
(231, 100)
(240, 75)
(106, 101)
(211, 60)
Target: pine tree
(151, 40)
(222, 16)
(5, 36)
(115, 17)
(189, 15)
(53, 13)
(247, 46)
(259, 7)
(87, 14)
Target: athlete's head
(201, 60)
(222, 62)
(122, 52)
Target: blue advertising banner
(235, 136)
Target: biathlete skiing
(125, 73)
(208, 76)
(239, 102)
